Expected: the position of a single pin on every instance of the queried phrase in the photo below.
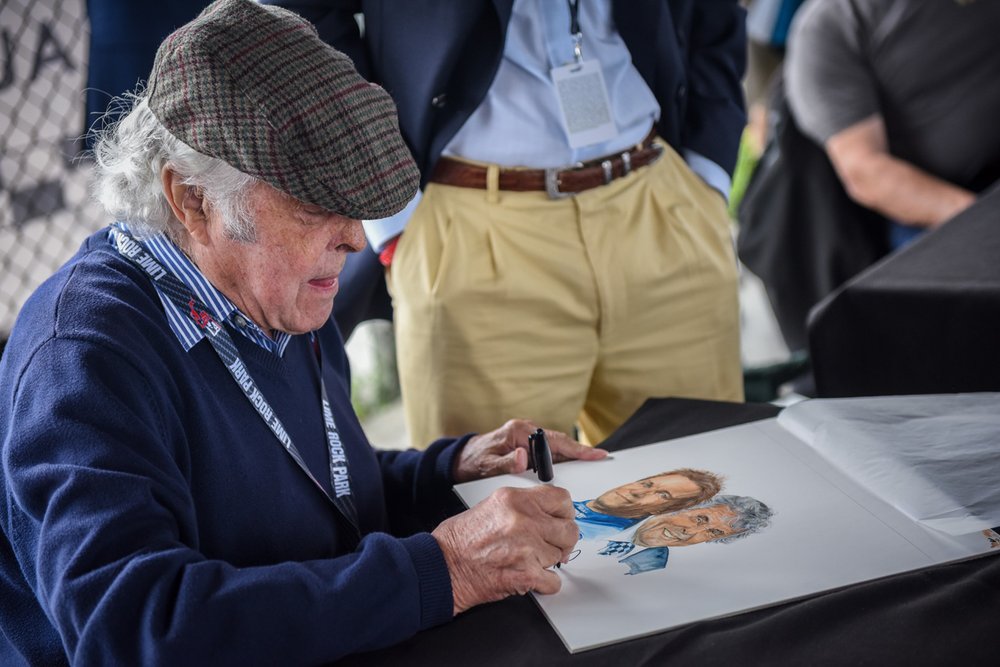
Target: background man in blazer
(626, 288)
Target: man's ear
(187, 203)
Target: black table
(922, 321)
(944, 615)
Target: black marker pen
(540, 456)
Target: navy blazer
(437, 59)
(124, 36)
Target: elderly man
(723, 519)
(626, 505)
(184, 478)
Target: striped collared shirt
(220, 307)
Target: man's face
(286, 279)
(645, 496)
(691, 526)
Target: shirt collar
(220, 307)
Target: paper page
(934, 457)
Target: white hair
(130, 155)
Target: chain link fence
(45, 209)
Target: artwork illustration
(638, 523)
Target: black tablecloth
(924, 320)
(947, 615)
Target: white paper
(936, 457)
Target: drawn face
(692, 526)
(646, 496)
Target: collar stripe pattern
(187, 332)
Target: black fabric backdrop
(924, 320)
(798, 230)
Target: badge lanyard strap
(224, 346)
(574, 29)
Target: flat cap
(257, 88)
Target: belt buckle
(552, 183)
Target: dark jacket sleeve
(715, 116)
(336, 24)
(692, 55)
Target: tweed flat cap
(256, 87)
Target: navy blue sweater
(150, 516)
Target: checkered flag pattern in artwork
(616, 548)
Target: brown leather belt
(561, 182)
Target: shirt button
(439, 101)
(681, 91)
(240, 322)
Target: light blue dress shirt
(595, 525)
(519, 121)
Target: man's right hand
(506, 544)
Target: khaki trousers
(570, 311)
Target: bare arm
(893, 187)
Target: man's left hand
(505, 451)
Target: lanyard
(224, 346)
(574, 29)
